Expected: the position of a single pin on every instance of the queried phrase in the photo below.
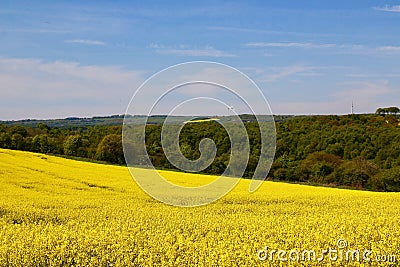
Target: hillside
(359, 151)
(55, 212)
(117, 120)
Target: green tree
(380, 111)
(387, 180)
(389, 110)
(110, 149)
(357, 173)
(42, 143)
(5, 140)
(3, 128)
(317, 166)
(393, 110)
(17, 141)
(43, 127)
(18, 129)
(73, 146)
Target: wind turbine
(352, 107)
(231, 109)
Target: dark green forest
(358, 151)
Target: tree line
(389, 110)
(360, 151)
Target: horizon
(164, 115)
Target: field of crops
(59, 212)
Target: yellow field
(55, 212)
(203, 120)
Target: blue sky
(87, 58)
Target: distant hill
(116, 120)
(359, 151)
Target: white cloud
(373, 75)
(389, 49)
(235, 29)
(307, 108)
(200, 80)
(278, 73)
(86, 42)
(342, 48)
(366, 97)
(208, 52)
(364, 90)
(292, 44)
(389, 8)
(303, 45)
(270, 32)
(35, 89)
(184, 50)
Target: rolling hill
(61, 212)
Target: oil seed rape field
(60, 212)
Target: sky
(87, 58)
